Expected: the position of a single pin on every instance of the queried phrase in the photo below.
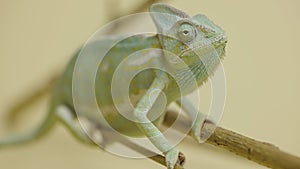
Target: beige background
(37, 38)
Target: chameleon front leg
(149, 129)
(199, 117)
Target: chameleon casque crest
(124, 83)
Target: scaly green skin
(183, 36)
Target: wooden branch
(161, 160)
(260, 152)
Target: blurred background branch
(40, 91)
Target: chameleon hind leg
(68, 117)
(149, 129)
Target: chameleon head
(196, 40)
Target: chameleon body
(187, 37)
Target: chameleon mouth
(213, 44)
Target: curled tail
(28, 101)
(35, 134)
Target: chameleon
(190, 39)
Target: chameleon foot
(181, 159)
(93, 131)
(208, 127)
(174, 157)
(201, 131)
(197, 129)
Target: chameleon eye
(186, 32)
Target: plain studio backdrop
(37, 38)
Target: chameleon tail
(37, 133)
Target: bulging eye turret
(186, 32)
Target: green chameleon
(191, 39)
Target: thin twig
(137, 9)
(160, 159)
